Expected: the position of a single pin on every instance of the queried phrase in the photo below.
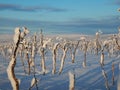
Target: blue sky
(57, 15)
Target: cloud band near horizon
(110, 23)
(14, 7)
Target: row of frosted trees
(29, 46)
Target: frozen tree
(97, 43)
(64, 48)
(54, 57)
(10, 70)
(74, 47)
(84, 48)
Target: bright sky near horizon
(59, 14)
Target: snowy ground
(89, 78)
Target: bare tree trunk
(71, 81)
(43, 61)
(28, 61)
(74, 52)
(102, 59)
(97, 43)
(41, 38)
(63, 59)
(33, 51)
(42, 53)
(113, 68)
(54, 58)
(33, 60)
(85, 47)
(12, 63)
(118, 83)
(54, 62)
(22, 60)
(11, 74)
(106, 80)
(103, 70)
(84, 62)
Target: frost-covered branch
(12, 63)
(10, 70)
(74, 51)
(65, 48)
(54, 57)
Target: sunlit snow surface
(89, 78)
